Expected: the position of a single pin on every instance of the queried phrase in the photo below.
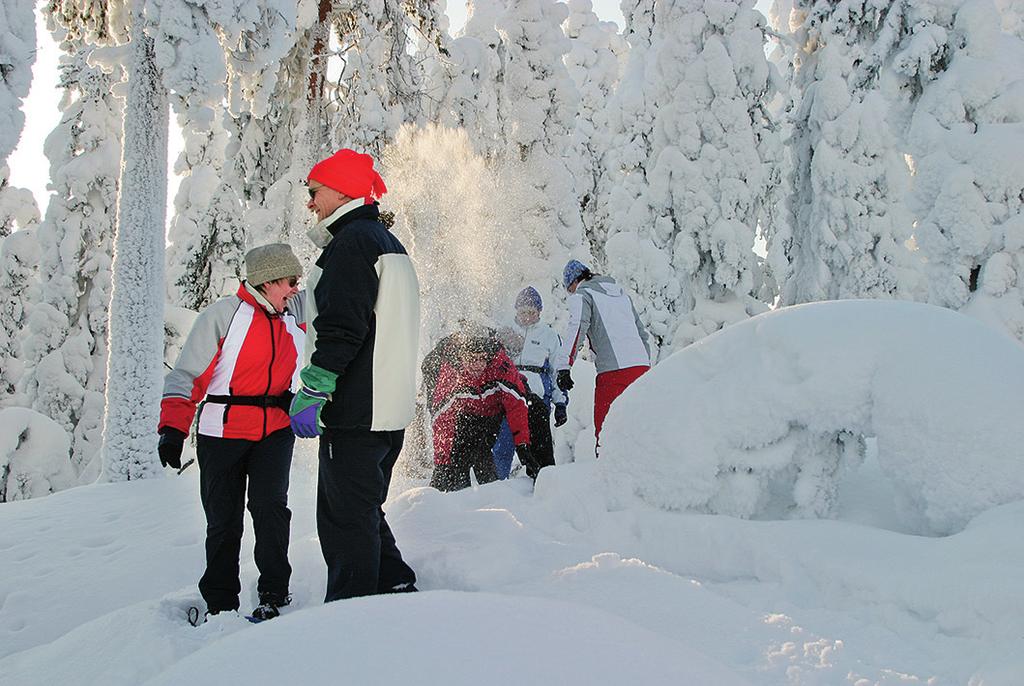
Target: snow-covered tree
(695, 156)
(776, 226)
(17, 53)
(268, 71)
(19, 260)
(192, 66)
(595, 63)
(271, 151)
(289, 139)
(538, 108)
(850, 228)
(18, 207)
(965, 139)
(134, 371)
(66, 344)
(468, 79)
(202, 49)
(381, 85)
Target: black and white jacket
(364, 320)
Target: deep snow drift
(766, 417)
(579, 581)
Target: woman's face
(279, 292)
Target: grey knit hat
(270, 263)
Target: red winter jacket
(499, 389)
(236, 347)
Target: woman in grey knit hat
(240, 360)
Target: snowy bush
(763, 418)
(34, 455)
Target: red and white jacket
(498, 390)
(237, 346)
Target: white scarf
(319, 234)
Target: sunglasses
(293, 281)
(312, 191)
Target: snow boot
(269, 607)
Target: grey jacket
(601, 312)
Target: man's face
(323, 200)
(572, 286)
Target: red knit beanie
(350, 173)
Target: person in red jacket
(238, 366)
(471, 385)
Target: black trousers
(226, 465)
(471, 447)
(541, 448)
(358, 546)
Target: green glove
(308, 403)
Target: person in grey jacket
(600, 312)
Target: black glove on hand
(564, 380)
(526, 459)
(169, 447)
(561, 416)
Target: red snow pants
(610, 386)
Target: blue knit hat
(529, 297)
(573, 270)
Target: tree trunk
(134, 368)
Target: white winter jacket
(536, 359)
(600, 312)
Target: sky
(29, 167)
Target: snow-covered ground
(580, 581)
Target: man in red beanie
(346, 176)
(359, 385)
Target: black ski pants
(541, 448)
(358, 546)
(471, 448)
(226, 466)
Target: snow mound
(34, 455)
(764, 418)
(450, 638)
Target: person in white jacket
(601, 313)
(533, 347)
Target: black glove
(169, 447)
(564, 380)
(561, 416)
(526, 459)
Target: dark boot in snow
(270, 606)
